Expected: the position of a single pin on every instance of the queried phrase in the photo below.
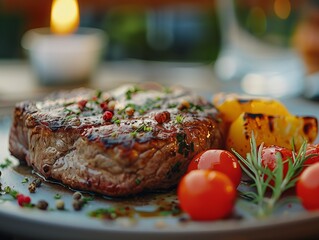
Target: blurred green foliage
(11, 28)
(195, 36)
(266, 25)
(127, 31)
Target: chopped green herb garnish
(131, 91)
(141, 128)
(28, 205)
(98, 93)
(93, 101)
(116, 120)
(112, 213)
(85, 200)
(165, 213)
(196, 107)
(172, 105)
(68, 104)
(10, 191)
(150, 104)
(7, 189)
(113, 134)
(179, 119)
(57, 196)
(137, 181)
(86, 109)
(147, 128)
(133, 134)
(142, 110)
(131, 105)
(25, 180)
(70, 117)
(183, 147)
(7, 163)
(68, 110)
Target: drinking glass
(257, 50)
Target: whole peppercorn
(37, 182)
(32, 187)
(42, 205)
(77, 204)
(129, 111)
(77, 196)
(59, 204)
(111, 105)
(107, 116)
(184, 105)
(162, 117)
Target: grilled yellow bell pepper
(269, 119)
(278, 130)
(232, 105)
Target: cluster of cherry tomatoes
(208, 190)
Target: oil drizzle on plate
(145, 205)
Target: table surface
(18, 82)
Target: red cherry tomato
(269, 158)
(308, 187)
(312, 149)
(218, 160)
(206, 195)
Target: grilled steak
(117, 143)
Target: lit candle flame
(64, 16)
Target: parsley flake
(57, 196)
(25, 180)
(7, 163)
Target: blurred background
(177, 31)
(150, 30)
(159, 29)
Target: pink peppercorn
(82, 104)
(162, 117)
(23, 200)
(104, 106)
(107, 116)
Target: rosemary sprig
(253, 167)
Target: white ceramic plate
(290, 221)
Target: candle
(64, 53)
(64, 16)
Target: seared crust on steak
(147, 145)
